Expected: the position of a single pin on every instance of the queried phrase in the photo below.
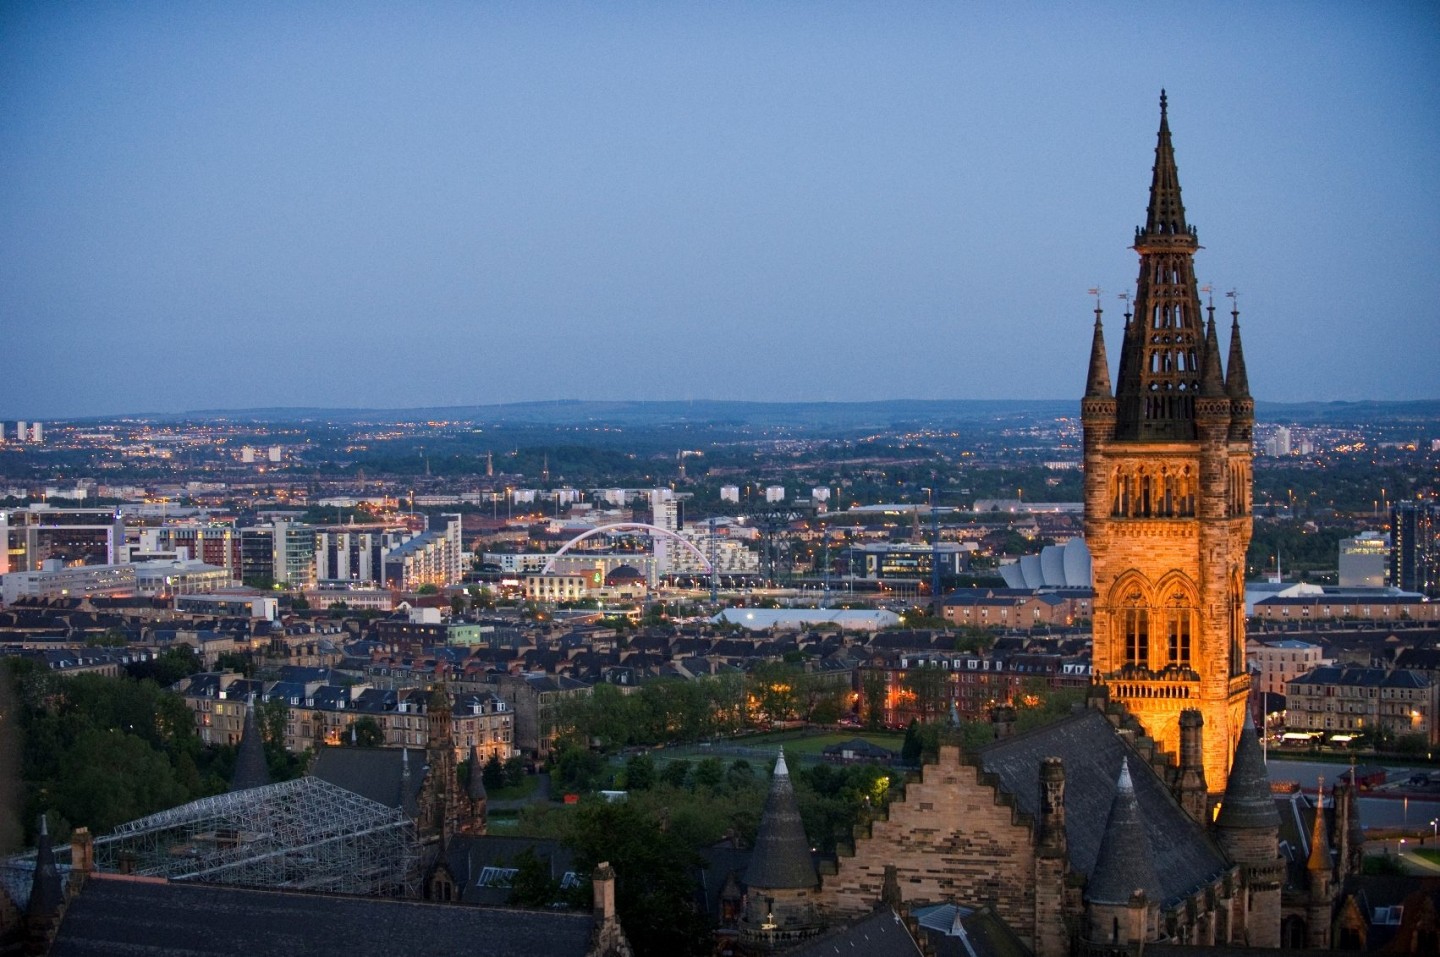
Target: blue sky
(392, 204)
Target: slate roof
(781, 858)
(955, 931)
(1126, 861)
(1362, 678)
(1248, 802)
(155, 919)
(251, 768)
(468, 857)
(1184, 855)
(374, 773)
(882, 934)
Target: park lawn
(521, 791)
(816, 743)
(1429, 854)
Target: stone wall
(952, 837)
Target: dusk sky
(239, 205)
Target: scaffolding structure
(305, 834)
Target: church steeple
(1162, 351)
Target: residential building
(1277, 662)
(1364, 700)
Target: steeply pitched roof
(251, 768)
(1248, 801)
(1125, 863)
(882, 934)
(1091, 750)
(374, 773)
(150, 919)
(782, 855)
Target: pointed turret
(1248, 803)
(1097, 383)
(1166, 214)
(1125, 863)
(251, 768)
(782, 855)
(1237, 381)
(475, 787)
(1212, 380)
(46, 892)
(1237, 384)
(1318, 863)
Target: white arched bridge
(655, 531)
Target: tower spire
(1160, 359)
(1166, 215)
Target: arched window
(1134, 624)
(1179, 628)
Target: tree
(457, 605)
(493, 774)
(911, 747)
(872, 694)
(428, 589)
(654, 886)
(367, 733)
(640, 772)
(532, 885)
(514, 771)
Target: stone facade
(952, 837)
(1167, 495)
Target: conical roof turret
(1097, 383)
(46, 891)
(1248, 803)
(1237, 382)
(1212, 380)
(1125, 863)
(475, 787)
(781, 858)
(1319, 861)
(251, 768)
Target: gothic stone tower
(1167, 495)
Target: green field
(797, 742)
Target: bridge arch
(654, 530)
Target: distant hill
(885, 414)
(823, 415)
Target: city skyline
(251, 207)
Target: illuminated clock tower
(1167, 494)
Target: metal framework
(305, 834)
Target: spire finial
(1162, 103)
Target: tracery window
(1134, 623)
(1179, 628)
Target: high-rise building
(31, 536)
(1415, 547)
(1363, 560)
(1167, 494)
